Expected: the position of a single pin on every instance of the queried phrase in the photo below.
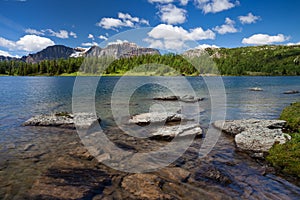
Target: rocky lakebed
(58, 165)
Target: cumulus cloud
(160, 1)
(33, 43)
(118, 42)
(34, 32)
(89, 44)
(28, 43)
(7, 43)
(261, 39)
(292, 44)
(72, 34)
(204, 46)
(249, 19)
(102, 37)
(182, 2)
(214, 6)
(171, 14)
(228, 27)
(166, 36)
(90, 36)
(63, 34)
(123, 20)
(5, 53)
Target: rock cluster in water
(255, 136)
(64, 120)
(167, 131)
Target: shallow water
(23, 97)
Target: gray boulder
(260, 140)
(63, 120)
(178, 131)
(291, 92)
(255, 136)
(156, 117)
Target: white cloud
(292, 44)
(248, 19)
(72, 34)
(5, 53)
(32, 43)
(214, 6)
(123, 20)
(171, 14)
(90, 36)
(63, 34)
(261, 39)
(160, 1)
(102, 37)
(28, 43)
(7, 43)
(118, 42)
(184, 2)
(204, 46)
(172, 37)
(89, 44)
(34, 32)
(228, 27)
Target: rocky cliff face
(117, 50)
(121, 50)
(50, 53)
(5, 58)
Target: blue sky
(28, 26)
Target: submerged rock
(258, 89)
(156, 117)
(186, 98)
(291, 92)
(178, 131)
(255, 136)
(167, 98)
(190, 99)
(63, 120)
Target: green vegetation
(46, 67)
(286, 157)
(258, 60)
(291, 114)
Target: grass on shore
(286, 157)
(291, 114)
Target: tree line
(259, 60)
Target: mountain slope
(121, 50)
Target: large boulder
(235, 127)
(178, 131)
(260, 139)
(63, 120)
(157, 117)
(253, 135)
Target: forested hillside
(258, 60)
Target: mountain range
(116, 50)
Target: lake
(24, 97)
